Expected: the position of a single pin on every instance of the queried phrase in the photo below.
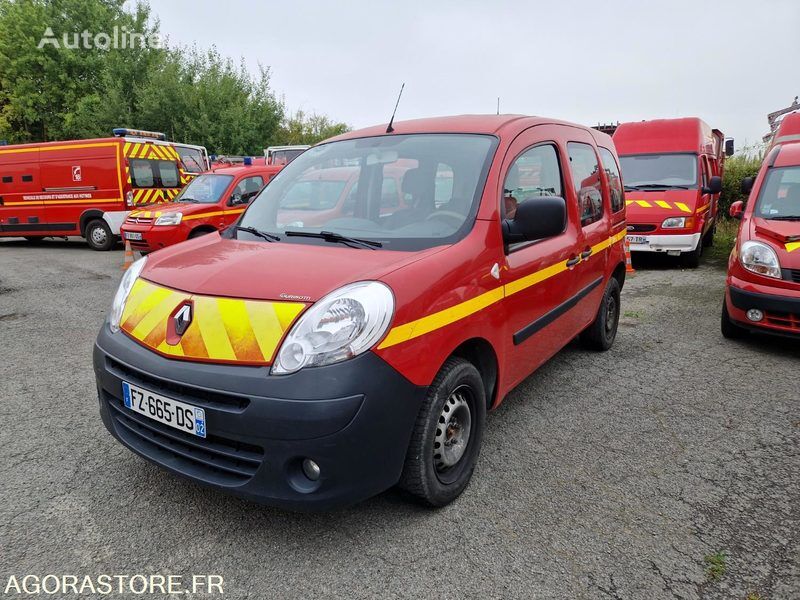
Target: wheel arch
(619, 274)
(86, 217)
(482, 355)
(202, 229)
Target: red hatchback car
(210, 202)
(763, 284)
(313, 366)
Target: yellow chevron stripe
(683, 207)
(792, 246)
(643, 203)
(663, 204)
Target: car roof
(789, 155)
(499, 125)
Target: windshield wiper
(187, 200)
(784, 218)
(330, 236)
(257, 232)
(656, 186)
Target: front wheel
(730, 330)
(692, 259)
(447, 436)
(98, 235)
(600, 335)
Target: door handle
(586, 254)
(573, 261)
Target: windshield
(192, 159)
(659, 170)
(404, 191)
(780, 194)
(206, 189)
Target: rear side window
(614, 179)
(168, 174)
(586, 178)
(535, 173)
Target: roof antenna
(498, 105)
(390, 129)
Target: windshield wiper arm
(785, 218)
(257, 232)
(656, 186)
(331, 236)
(187, 200)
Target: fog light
(310, 469)
(753, 314)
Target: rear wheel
(730, 330)
(98, 235)
(447, 436)
(692, 259)
(200, 232)
(34, 239)
(600, 335)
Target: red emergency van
(673, 176)
(762, 291)
(210, 202)
(313, 366)
(86, 187)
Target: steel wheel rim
(98, 235)
(453, 430)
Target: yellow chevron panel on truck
(222, 329)
(660, 204)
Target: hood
(291, 271)
(655, 206)
(783, 235)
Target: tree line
(52, 90)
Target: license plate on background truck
(133, 235)
(638, 239)
(179, 415)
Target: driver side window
(535, 173)
(247, 189)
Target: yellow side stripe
(214, 214)
(51, 148)
(437, 320)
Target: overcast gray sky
(728, 62)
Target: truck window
(660, 170)
(586, 179)
(141, 171)
(614, 179)
(191, 158)
(780, 194)
(168, 174)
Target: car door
(591, 199)
(538, 276)
(21, 205)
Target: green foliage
(300, 128)
(194, 96)
(744, 163)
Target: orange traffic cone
(628, 263)
(128, 260)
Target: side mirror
(714, 185)
(747, 184)
(736, 210)
(729, 147)
(536, 219)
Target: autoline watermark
(118, 38)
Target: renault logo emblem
(183, 318)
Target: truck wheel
(730, 330)
(601, 333)
(708, 239)
(98, 235)
(447, 436)
(692, 259)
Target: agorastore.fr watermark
(80, 586)
(116, 39)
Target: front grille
(787, 320)
(187, 393)
(139, 220)
(214, 459)
(792, 275)
(641, 228)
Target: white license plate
(176, 414)
(133, 235)
(638, 239)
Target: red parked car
(673, 176)
(210, 202)
(313, 366)
(762, 291)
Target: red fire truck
(673, 176)
(88, 187)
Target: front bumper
(354, 419)
(153, 237)
(781, 311)
(678, 242)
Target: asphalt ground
(668, 467)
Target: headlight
(341, 325)
(130, 277)
(760, 258)
(674, 223)
(173, 218)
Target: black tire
(434, 476)
(691, 259)
(199, 232)
(98, 235)
(730, 330)
(34, 239)
(708, 238)
(600, 335)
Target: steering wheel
(449, 214)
